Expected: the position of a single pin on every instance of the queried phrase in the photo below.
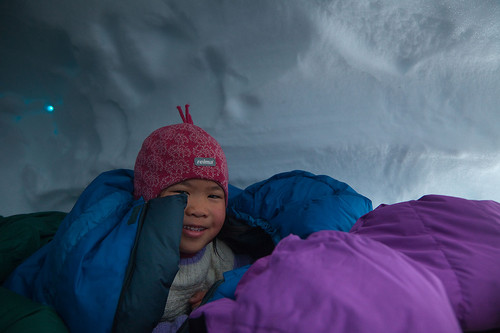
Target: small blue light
(49, 108)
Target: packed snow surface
(396, 98)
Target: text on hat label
(204, 161)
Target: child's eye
(181, 192)
(215, 196)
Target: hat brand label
(204, 161)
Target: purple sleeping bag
(430, 265)
(333, 282)
(456, 239)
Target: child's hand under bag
(196, 299)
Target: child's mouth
(194, 228)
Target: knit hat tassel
(186, 119)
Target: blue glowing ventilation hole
(49, 108)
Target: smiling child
(183, 158)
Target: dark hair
(245, 239)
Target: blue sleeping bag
(113, 259)
(282, 203)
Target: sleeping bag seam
(463, 311)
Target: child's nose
(195, 207)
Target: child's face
(204, 214)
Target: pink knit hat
(175, 153)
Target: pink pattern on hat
(168, 157)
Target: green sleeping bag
(20, 236)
